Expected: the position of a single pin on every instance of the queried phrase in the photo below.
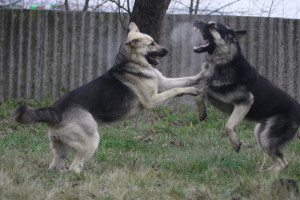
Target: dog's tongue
(204, 43)
(154, 58)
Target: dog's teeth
(195, 47)
(198, 30)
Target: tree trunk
(149, 16)
(197, 6)
(191, 7)
(66, 5)
(86, 5)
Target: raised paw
(193, 91)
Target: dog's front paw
(193, 91)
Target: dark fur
(233, 82)
(93, 97)
(103, 105)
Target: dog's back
(271, 100)
(106, 98)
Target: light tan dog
(130, 86)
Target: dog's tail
(24, 116)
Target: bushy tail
(22, 115)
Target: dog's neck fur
(132, 57)
(120, 66)
(221, 68)
(220, 58)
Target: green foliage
(165, 154)
(63, 89)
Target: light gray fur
(78, 132)
(262, 131)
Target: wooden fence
(46, 53)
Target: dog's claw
(237, 147)
(236, 144)
(202, 117)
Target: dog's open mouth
(152, 56)
(152, 59)
(201, 48)
(204, 44)
(207, 45)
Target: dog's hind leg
(79, 132)
(84, 151)
(259, 128)
(201, 106)
(273, 137)
(85, 144)
(60, 152)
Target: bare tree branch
(270, 8)
(7, 5)
(99, 5)
(121, 7)
(118, 3)
(222, 7)
(128, 7)
(183, 4)
(121, 20)
(205, 9)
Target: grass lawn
(165, 154)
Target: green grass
(165, 154)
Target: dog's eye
(152, 44)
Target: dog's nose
(165, 51)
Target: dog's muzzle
(152, 56)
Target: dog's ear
(133, 43)
(133, 27)
(240, 34)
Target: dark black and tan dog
(130, 86)
(233, 86)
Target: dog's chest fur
(219, 76)
(141, 79)
(225, 84)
